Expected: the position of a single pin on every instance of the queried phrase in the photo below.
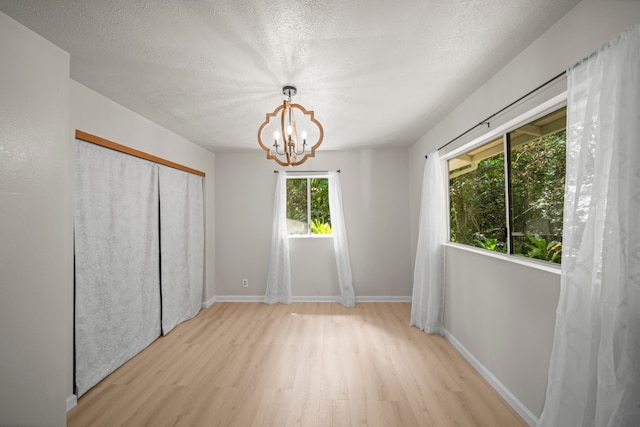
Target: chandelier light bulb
(304, 135)
(289, 130)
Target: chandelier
(289, 149)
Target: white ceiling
(376, 73)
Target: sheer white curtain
(594, 374)
(117, 295)
(346, 295)
(279, 279)
(181, 245)
(427, 303)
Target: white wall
(35, 228)
(375, 196)
(503, 313)
(97, 115)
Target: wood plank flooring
(304, 364)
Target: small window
(308, 206)
(529, 221)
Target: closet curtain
(346, 294)
(117, 283)
(181, 245)
(279, 278)
(427, 302)
(594, 373)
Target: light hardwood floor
(305, 364)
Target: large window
(308, 206)
(508, 195)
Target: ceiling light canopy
(290, 148)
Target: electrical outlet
(245, 283)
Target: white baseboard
(384, 299)
(72, 401)
(239, 298)
(208, 303)
(506, 394)
(314, 298)
(260, 298)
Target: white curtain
(117, 307)
(181, 245)
(594, 373)
(427, 303)
(346, 295)
(279, 279)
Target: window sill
(529, 262)
(310, 236)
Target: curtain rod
(276, 171)
(486, 121)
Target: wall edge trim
(72, 402)
(208, 303)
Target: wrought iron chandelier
(286, 149)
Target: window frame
(553, 104)
(308, 176)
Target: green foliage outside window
(308, 206)
(319, 227)
(537, 197)
(297, 199)
(319, 193)
(478, 206)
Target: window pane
(477, 197)
(297, 206)
(537, 187)
(320, 217)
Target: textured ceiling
(376, 73)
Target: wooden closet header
(133, 152)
